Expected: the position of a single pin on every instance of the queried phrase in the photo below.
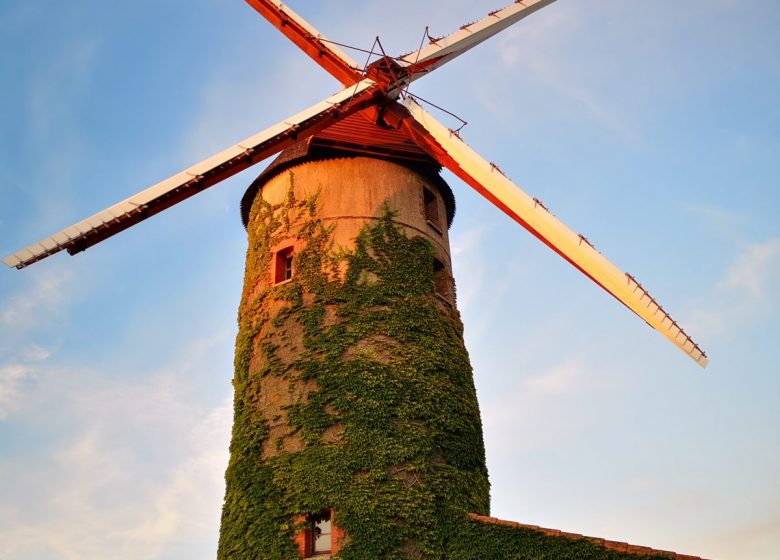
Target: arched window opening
(431, 208)
(442, 282)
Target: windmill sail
(411, 66)
(445, 146)
(440, 51)
(338, 63)
(200, 176)
(372, 98)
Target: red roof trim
(609, 545)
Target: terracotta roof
(355, 136)
(358, 133)
(609, 545)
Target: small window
(441, 280)
(319, 536)
(431, 208)
(320, 533)
(283, 269)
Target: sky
(651, 127)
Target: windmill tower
(356, 420)
(355, 406)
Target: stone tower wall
(354, 191)
(353, 390)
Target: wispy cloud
(12, 377)
(34, 353)
(588, 99)
(519, 45)
(138, 468)
(532, 50)
(51, 108)
(755, 270)
(469, 265)
(55, 86)
(557, 381)
(745, 293)
(21, 361)
(47, 295)
(189, 504)
(508, 419)
(726, 224)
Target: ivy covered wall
(353, 392)
(476, 540)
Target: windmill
(376, 94)
(378, 91)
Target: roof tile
(609, 545)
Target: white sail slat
(441, 51)
(233, 159)
(484, 177)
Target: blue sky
(651, 127)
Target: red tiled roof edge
(609, 545)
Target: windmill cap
(308, 151)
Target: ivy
(378, 414)
(476, 540)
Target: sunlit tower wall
(356, 429)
